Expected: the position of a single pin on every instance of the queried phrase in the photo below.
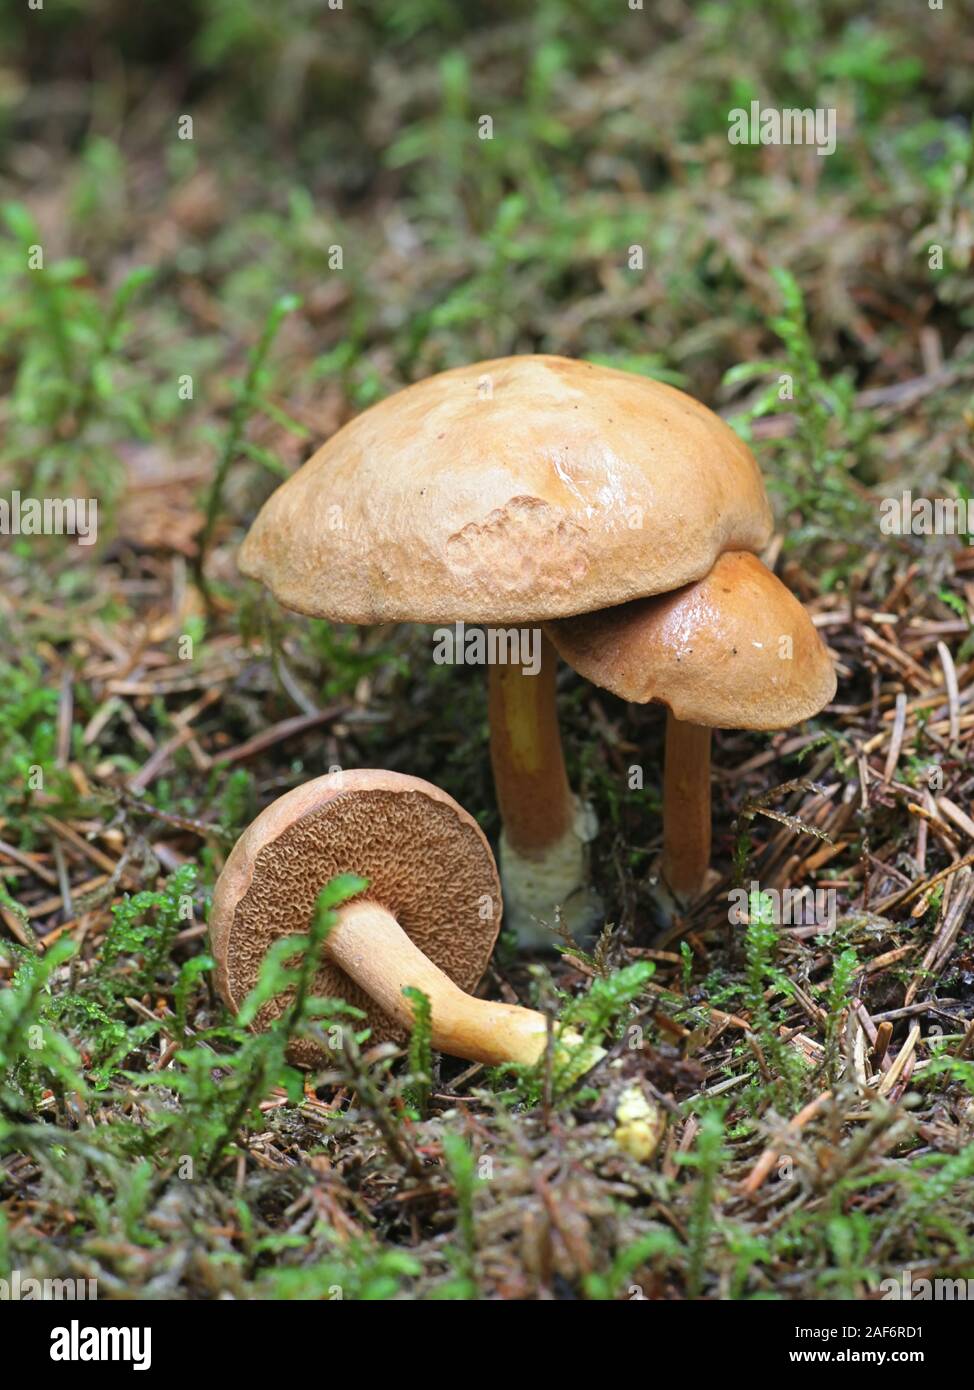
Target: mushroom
(734, 650)
(429, 917)
(515, 491)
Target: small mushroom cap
(508, 491)
(426, 860)
(715, 652)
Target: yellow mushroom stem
(372, 948)
(686, 807)
(533, 794)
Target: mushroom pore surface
(425, 864)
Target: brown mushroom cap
(563, 488)
(426, 860)
(712, 651)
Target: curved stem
(533, 794)
(686, 806)
(371, 947)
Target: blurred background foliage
(317, 127)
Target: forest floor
(213, 301)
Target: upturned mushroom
(428, 918)
(734, 650)
(516, 491)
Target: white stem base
(540, 889)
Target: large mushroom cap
(735, 650)
(426, 860)
(514, 490)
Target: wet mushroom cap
(426, 860)
(515, 490)
(713, 651)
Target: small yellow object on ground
(640, 1124)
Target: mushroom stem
(686, 806)
(533, 794)
(543, 855)
(372, 948)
